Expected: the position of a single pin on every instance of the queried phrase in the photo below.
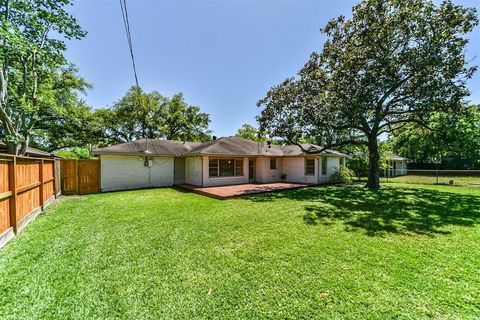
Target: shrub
(342, 175)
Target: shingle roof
(150, 146)
(392, 156)
(29, 152)
(235, 146)
(389, 156)
(232, 146)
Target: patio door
(251, 170)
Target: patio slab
(224, 192)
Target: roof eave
(141, 154)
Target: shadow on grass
(399, 210)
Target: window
(273, 163)
(309, 167)
(324, 166)
(239, 167)
(225, 167)
(213, 167)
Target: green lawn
(404, 252)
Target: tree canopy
(150, 115)
(394, 62)
(247, 131)
(454, 137)
(30, 59)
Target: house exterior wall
(265, 174)
(193, 171)
(119, 172)
(222, 181)
(400, 168)
(294, 168)
(123, 172)
(179, 170)
(333, 163)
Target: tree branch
(315, 150)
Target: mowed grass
(404, 252)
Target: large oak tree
(32, 46)
(392, 63)
(151, 115)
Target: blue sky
(223, 55)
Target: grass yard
(404, 252)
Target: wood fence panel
(5, 195)
(80, 176)
(28, 173)
(69, 176)
(25, 185)
(88, 176)
(27, 202)
(48, 180)
(28, 187)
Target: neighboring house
(225, 161)
(397, 165)
(30, 152)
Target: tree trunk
(24, 146)
(12, 148)
(373, 164)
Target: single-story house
(397, 165)
(224, 161)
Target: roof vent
(214, 137)
(269, 143)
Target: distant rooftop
(32, 152)
(392, 156)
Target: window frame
(309, 174)
(235, 166)
(274, 161)
(324, 167)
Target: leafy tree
(68, 121)
(452, 136)
(249, 132)
(394, 62)
(74, 153)
(32, 35)
(150, 115)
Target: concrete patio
(224, 192)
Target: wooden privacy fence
(80, 176)
(27, 185)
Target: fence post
(436, 173)
(12, 182)
(57, 175)
(41, 184)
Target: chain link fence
(469, 178)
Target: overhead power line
(126, 23)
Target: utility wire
(126, 23)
